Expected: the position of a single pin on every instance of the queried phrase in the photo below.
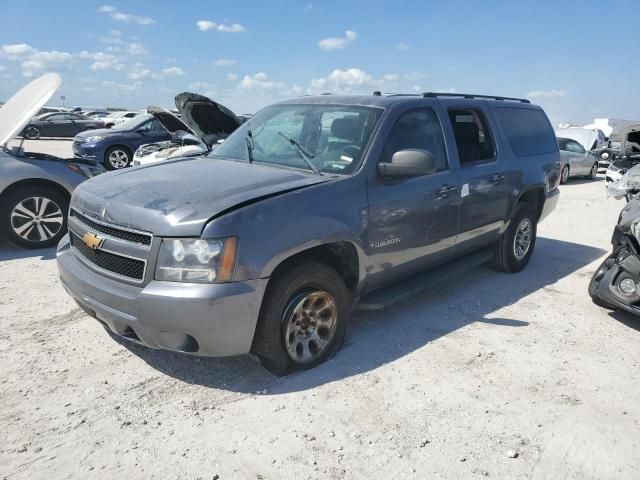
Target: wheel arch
(31, 182)
(533, 196)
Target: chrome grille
(128, 235)
(108, 261)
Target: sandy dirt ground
(488, 375)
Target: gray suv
(313, 207)
(35, 188)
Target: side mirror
(408, 163)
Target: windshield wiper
(250, 143)
(306, 156)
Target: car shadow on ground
(12, 252)
(628, 319)
(380, 337)
(575, 181)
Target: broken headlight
(196, 260)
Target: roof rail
(470, 95)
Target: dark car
(67, 124)
(616, 283)
(114, 147)
(311, 208)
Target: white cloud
(402, 47)
(39, 61)
(232, 76)
(119, 16)
(333, 43)
(259, 81)
(136, 48)
(224, 62)
(343, 78)
(356, 80)
(122, 87)
(204, 88)
(173, 72)
(15, 50)
(102, 61)
(114, 38)
(140, 72)
(553, 93)
(204, 25)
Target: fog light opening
(627, 286)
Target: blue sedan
(114, 147)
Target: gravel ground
(490, 375)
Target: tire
(117, 158)
(505, 258)
(594, 286)
(32, 132)
(34, 217)
(564, 175)
(593, 174)
(281, 342)
(606, 156)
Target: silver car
(35, 188)
(576, 161)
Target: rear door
(580, 161)
(56, 125)
(486, 183)
(413, 221)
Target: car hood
(16, 113)
(208, 119)
(178, 197)
(630, 146)
(105, 132)
(168, 120)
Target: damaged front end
(616, 282)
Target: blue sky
(578, 59)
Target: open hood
(630, 140)
(168, 120)
(208, 119)
(20, 109)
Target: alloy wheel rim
(522, 240)
(310, 325)
(32, 133)
(594, 171)
(118, 159)
(565, 174)
(36, 219)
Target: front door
(485, 182)
(412, 221)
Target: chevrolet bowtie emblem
(92, 240)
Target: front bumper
(89, 151)
(208, 320)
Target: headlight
(195, 260)
(94, 139)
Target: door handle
(497, 177)
(445, 190)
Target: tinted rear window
(528, 131)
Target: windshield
(332, 137)
(132, 123)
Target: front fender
(272, 230)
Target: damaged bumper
(616, 282)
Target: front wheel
(515, 247)
(34, 217)
(304, 318)
(32, 133)
(564, 176)
(593, 174)
(117, 158)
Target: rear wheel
(116, 158)
(564, 176)
(34, 217)
(304, 318)
(32, 133)
(514, 249)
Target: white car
(629, 154)
(116, 118)
(205, 122)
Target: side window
(418, 129)
(57, 117)
(575, 147)
(528, 130)
(473, 136)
